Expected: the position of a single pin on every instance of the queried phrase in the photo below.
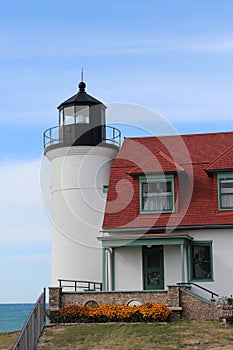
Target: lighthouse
(81, 150)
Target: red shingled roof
(158, 162)
(222, 162)
(196, 201)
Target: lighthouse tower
(81, 150)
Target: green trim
(223, 176)
(113, 268)
(104, 269)
(182, 263)
(139, 241)
(159, 173)
(219, 170)
(166, 228)
(201, 243)
(153, 179)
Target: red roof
(196, 193)
(156, 163)
(221, 162)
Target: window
(69, 115)
(82, 114)
(105, 188)
(225, 191)
(157, 194)
(74, 115)
(201, 261)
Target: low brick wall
(185, 303)
(118, 298)
(224, 311)
(197, 309)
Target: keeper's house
(169, 214)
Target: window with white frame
(157, 194)
(225, 191)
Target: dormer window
(157, 194)
(225, 191)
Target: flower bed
(149, 312)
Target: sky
(172, 56)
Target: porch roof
(140, 240)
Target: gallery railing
(54, 136)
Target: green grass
(176, 335)
(8, 339)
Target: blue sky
(172, 56)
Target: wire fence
(31, 332)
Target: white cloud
(22, 216)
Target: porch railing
(31, 332)
(76, 286)
(200, 287)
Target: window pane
(201, 258)
(226, 192)
(82, 115)
(227, 201)
(157, 196)
(69, 115)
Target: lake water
(13, 316)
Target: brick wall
(57, 298)
(192, 307)
(196, 309)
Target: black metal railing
(54, 136)
(200, 287)
(31, 332)
(77, 286)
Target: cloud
(23, 219)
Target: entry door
(153, 268)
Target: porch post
(104, 269)
(182, 263)
(113, 268)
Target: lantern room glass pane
(69, 116)
(61, 117)
(82, 115)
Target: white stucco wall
(129, 273)
(172, 264)
(128, 268)
(78, 203)
(222, 259)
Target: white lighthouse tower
(81, 151)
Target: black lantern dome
(81, 123)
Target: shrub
(149, 312)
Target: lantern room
(81, 123)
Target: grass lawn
(7, 340)
(175, 335)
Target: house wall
(172, 265)
(128, 268)
(222, 258)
